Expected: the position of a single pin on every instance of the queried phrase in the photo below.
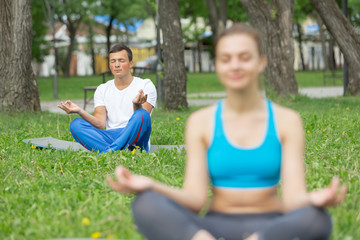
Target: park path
(203, 99)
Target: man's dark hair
(120, 47)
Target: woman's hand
(128, 183)
(330, 196)
(69, 107)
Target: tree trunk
(323, 43)
(347, 39)
(72, 27)
(92, 50)
(332, 62)
(174, 83)
(275, 21)
(199, 49)
(18, 86)
(300, 40)
(108, 35)
(69, 54)
(218, 16)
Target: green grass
(72, 88)
(46, 193)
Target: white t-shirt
(118, 103)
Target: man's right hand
(69, 107)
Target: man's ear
(131, 64)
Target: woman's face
(238, 62)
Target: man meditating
(122, 105)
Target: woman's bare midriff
(245, 201)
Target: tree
(48, 12)
(274, 19)
(70, 13)
(302, 10)
(174, 82)
(123, 12)
(39, 44)
(218, 16)
(347, 39)
(18, 87)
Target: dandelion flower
(343, 133)
(177, 119)
(307, 131)
(60, 171)
(347, 108)
(133, 151)
(33, 146)
(95, 235)
(85, 221)
(323, 129)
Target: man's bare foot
(203, 235)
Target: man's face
(119, 64)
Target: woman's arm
(193, 195)
(294, 192)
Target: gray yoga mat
(50, 142)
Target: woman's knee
(321, 220)
(146, 204)
(318, 222)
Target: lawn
(72, 88)
(56, 194)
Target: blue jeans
(136, 133)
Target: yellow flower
(347, 108)
(85, 221)
(133, 151)
(137, 147)
(33, 146)
(307, 131)
(60, 171)
(323, 129)
(110, 236)
(177, 119)
(95, 235)
(343, 133)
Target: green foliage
(40, 47)
(48, 194)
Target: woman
(243, 149)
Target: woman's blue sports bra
(233, 166)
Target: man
(123, 105)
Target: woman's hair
(120, 47)
(239, 28)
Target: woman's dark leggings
(159, 217)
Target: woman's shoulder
(285, 113)
(199, 125)
(202, 115)
(288, 120)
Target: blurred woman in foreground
(242, 145)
